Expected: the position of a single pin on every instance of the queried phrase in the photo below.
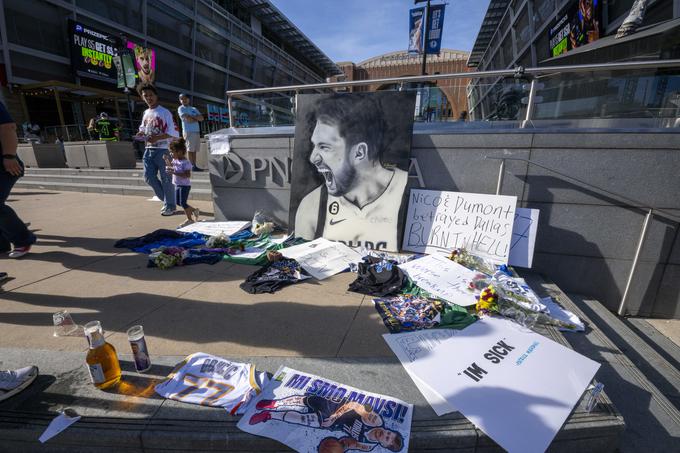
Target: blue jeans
(12, 228)
(163, 188)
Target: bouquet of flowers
(167, 257)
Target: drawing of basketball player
(362, 428)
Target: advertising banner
(416, 25)
(145, 62)
(578, 25)
(92, 52)
(435, 29)
(125, 66)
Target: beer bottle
(102, 360)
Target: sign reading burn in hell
(441, 221)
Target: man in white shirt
(191, 130)
(361, 200)
(157, 130)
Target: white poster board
(515, 385)
(210, 228)
(322, 258)
(441, 221)
(443, 278)
(523, 237)
(313, 414)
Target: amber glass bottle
(102, 360)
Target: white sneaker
(14, 381)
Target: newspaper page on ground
(312, 414)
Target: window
(618, 8)
(211, 46)
(37, 25)
(31, 67)
(237, 84)
(264, 72)
(508, 56)
(522, 30)
(120, 11)
(173, 69)
(240, 61)
(543, 10)
(169, 26)
(209, 81)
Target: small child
(180, 169)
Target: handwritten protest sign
(322, 258)
(440, 221)
(316, 415)
(515, 385)
(443, 278)
(523, 237)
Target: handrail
(631, 202)
(519, 72)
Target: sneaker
(14, 381)
(265, 404)
(195, 168)
(18, 252)
(167, 213)
(197, 214)
(185, 223)
(260, 417)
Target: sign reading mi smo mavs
(440, 221)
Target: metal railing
(627, 201)
(519, 73)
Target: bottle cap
(135, 333)
(92, 327)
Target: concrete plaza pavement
(74, 266)
(314, 326)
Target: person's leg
(151, 172)
(194, 147)
(12, 228)
(168, 197)
(190, 151)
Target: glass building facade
(526, 33)
(202, 48)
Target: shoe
(265, 404)
(195, 168)
(260, 417)
(14, 381)
(185, 223)
(197, 214)
(18, 252)
(167, 213)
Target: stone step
(642, 383)
(133, 181)
(117, 189)
(136, 172)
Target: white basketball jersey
(375, 225)
(209, 380)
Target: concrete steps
(120, 182)
(639, 367)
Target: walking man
(191, 131)
(12, 229)
(157, 130)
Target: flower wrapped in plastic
(473, 262)
(219, 241)
(497, 300)
(167, 257)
